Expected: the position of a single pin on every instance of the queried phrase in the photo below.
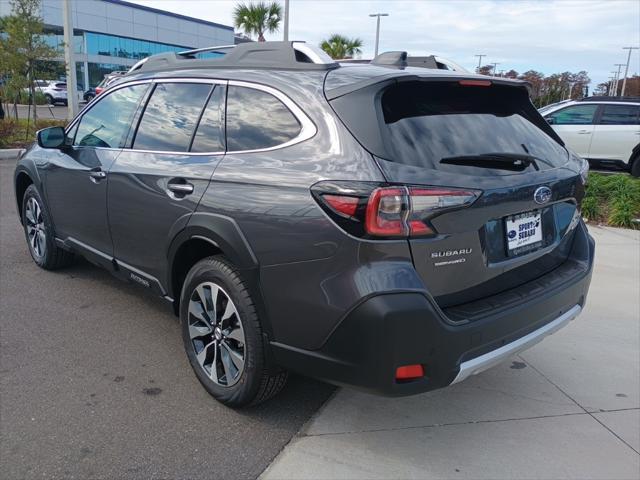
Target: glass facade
(122, 47)
(110, 46)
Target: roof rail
(254, 55)
(603, 98)
(195, 51)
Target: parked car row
(603, 130)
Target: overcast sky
(545, 35)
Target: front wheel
(50, 99)
(223, 337)
(39, 233)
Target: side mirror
(52, 137)
(549, 120)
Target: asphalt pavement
(94, 382)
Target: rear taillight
(99, 90)
(389, 211)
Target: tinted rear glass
(620, 115)
(425, 122)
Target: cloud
(545, 35)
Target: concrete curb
(10, 153)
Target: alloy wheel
(216, 333)
(35, 228)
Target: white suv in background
(604, 130)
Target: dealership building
(113, 34)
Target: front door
(155, 185)
(574, 124)
(76, 179)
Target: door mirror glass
(52, 137)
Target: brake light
(342, 204)
(475, 83)
(385, 211)
(393, 211)
(99, 90)
(398, 211)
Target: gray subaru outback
(392, 228)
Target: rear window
(620, 115)
(426, 122)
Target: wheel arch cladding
(22, 182)
(206, 235)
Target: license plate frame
(523, 232)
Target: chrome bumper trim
(492, 358)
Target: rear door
(575, 125)
(156, 184)
(616, 133)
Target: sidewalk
(567, 408)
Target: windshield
(426, 122)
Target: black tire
(50, 99)
(255, 383)
(52, 257)
(635, 166)
(88, 98)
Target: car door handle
(96, 175)
(180, 188)
(584, 132)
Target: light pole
(378, 15)
(610, 86)
(613, 83)
(286, 20)
(495, 66)
(72, 86)
(479, 61)
(615, 89)
(626, 69)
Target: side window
(107, 123)
(210, 134)
(574, 115)
(171, 115)
(620, 115)
(257, 119)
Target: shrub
(612, 199)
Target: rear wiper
(516, 162)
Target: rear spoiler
(412, 76)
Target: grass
(612, 200)
(20, 133)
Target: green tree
(258, 18)
(22, 46)
(338, 46)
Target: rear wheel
(223, 337)
(635, 165)
(39, 233)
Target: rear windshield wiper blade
(516, 162)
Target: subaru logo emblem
(542, 195)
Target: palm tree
(258, 18)
(339, 46)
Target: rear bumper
(395, 329)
